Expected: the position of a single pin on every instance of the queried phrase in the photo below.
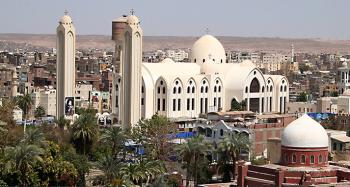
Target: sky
(326, 19)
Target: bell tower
(65, 75)
(130, 108)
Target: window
(174, 90)
(163, 107)
(188, 104)
(179, 90)
(206, 89)
(320, 159)
(334, 146)
(163, 90)
(174, 104)
(294, 158)
(193, 89)
(158, 104)
(142, 101)
(219, 89)
(178, 104)
(195, 60)
(202, 89)
(246, 89)
(142, 89)
(158, 89)
(303, 159)
(214, 89)
(312, 159)
(203, 60)
(221, 132)
(254, 86)
(188, 89)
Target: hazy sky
(269, 18)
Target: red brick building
(303, 161)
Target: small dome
(66, 19)
(344, 64)
(304, 132)
(132, 20)
(347, 92)
(208, 49)
(167, 60)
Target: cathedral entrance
(254, 104)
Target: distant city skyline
(324, 19)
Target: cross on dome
(207, 30)
(66, 12)
(132, 11)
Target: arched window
(193, 89)
(214, 89)
(320, 159)
(303, 159)
(285, 88)
(142, 89)
(294, 158)
(203, 60)
(312, 159)
(263, 89)
(221, 132)
(254, 86)
(219, 90)
(270, 88)
(202, 89)
(163, 90)
(206, 89)
(281, 89)
(179, 90)
(195, 60)
(174, 90)
(188, 89)
(246, 89)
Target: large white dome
(208, 49)
(304, 132)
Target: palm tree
(230, 149)
(39, 112)
(111, 168)
(84, 131)
(22, 158)
(133, 172)
(34, 136)
(62, 122)
(114, 137)
(191, 153)
(24, 102)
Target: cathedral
(208, 83)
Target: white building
(177, 55)
(343, 77)
(206, 84)
(65, 64)
(45, 98)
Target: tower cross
(132, 11)
(66, 12)
(207, 30)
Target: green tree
(230, 149)
(22, 158)
(39, 112)
(154, 135)
(62, 122)
(24, 102)
(6, 111)
(302, 97)
(191, 152)
(34, 136)
(114, 138)
(110, 167)
(84, 132)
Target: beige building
(301, 107)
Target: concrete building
(8, 81)
(65, 67)
(343, 77)
(45, 98)
(207, 84)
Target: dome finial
(66, 12)
(207, 30)
(132, 11)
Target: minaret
(65, 66)
(131, 72)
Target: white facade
(343, 78)
(205, 85)
(65, 63)
(46, 99)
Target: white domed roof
(132, 20)
(66, 19)
(304, 132)
(167, 60)
(208, 49)
(347, 92)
